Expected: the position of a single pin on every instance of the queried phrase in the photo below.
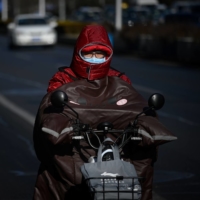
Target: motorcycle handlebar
(84, 134)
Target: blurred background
(156, 43)
(164, 29)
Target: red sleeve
(117, 73)
(58, 80)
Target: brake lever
(135, 134)
(78, 127)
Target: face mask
(95, 60)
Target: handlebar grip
(77, 137)
(136, 138)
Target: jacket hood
(93, 37)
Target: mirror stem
(136, 118)
(77, 116)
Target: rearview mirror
(156, 101)
(59, 98)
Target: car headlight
(19, 33)
(50, 32)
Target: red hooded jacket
(92, 37)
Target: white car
(31, 30)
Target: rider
(91, 59)
(59, 171)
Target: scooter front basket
(114, 188)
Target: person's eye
(87, 55)
(100, 55)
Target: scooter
(84, 131)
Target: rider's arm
(114, 72)
(58, 80)
(54, 146)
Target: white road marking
(178, 118)
(22, 173)
(161, 176)
(17, 110)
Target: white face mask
(95, 60)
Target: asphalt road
(24, 76)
